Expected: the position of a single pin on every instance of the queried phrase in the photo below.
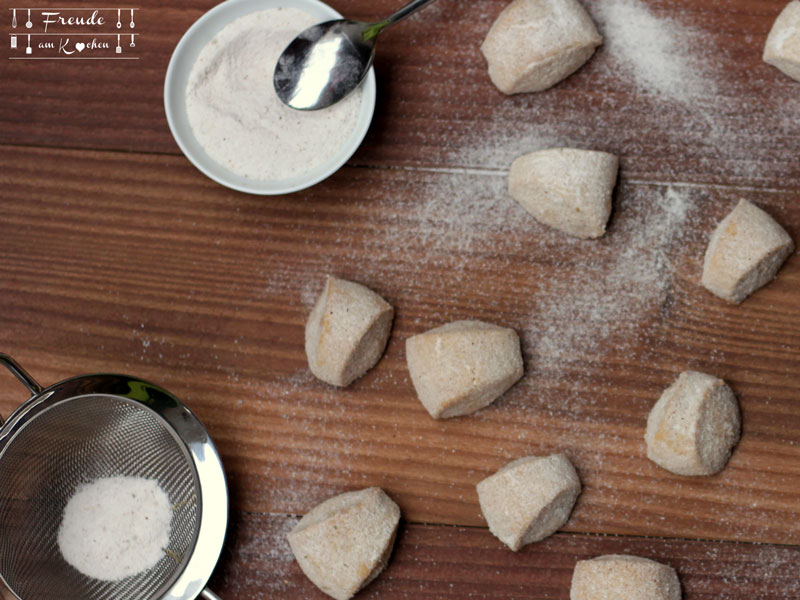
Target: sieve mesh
(77, 441)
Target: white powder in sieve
(115, 527)
(238, 118)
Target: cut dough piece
(463, 366)
(345, 542)
(529, 498)
(694, 426)
(744, 253)
(566, 188)
(346, 332)
(620, 577)
(783, 44)
(534, 44)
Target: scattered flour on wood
(578, 313)
(452, 212)
(115, 527)
(658, 52)
(259, 565)
(769, 573)
(316, 444)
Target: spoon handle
(408, 10)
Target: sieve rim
(191, 436)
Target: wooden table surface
(119, 256)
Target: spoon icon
(326, 62)
(119, 19)
(29, 24)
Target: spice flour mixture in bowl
(227, 119)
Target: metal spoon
(326, 62)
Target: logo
(73, 33)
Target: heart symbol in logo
(80, 46)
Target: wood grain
(153, 270)
(435, 562)
(438, 108)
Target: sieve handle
(20, 373)
(209, 595)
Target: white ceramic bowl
(180, 65)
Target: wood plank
(438, 107)
(151, 269)
(453, 562)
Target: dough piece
(566, 188)
(783, 44)
(620, 577)
(534, 44)
(463, 366)
(694, 426)
(346, 332)
(744, 253)
(345, 542)
(529, 498)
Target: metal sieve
(96, 426)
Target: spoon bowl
(326, 62)
(334, 57)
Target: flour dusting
(658, 52)
(579, 312)
(260, 562)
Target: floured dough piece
(783, 44)
(463, 366)
(529, 498)
(347, 331)
(694, 426)
(566, 188)
(534, 44)
(744, 253)
(345, 542)
(620, 577)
